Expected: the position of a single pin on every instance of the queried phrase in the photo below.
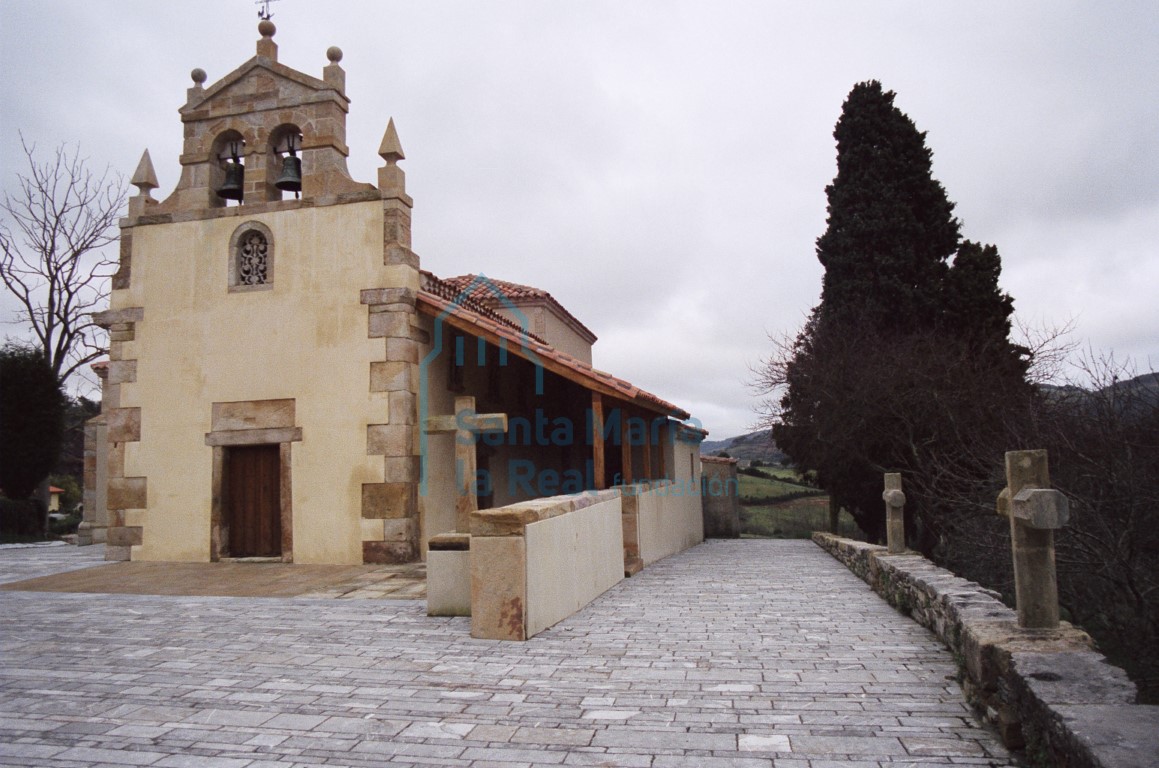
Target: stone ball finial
(334, 54)
(199, 76)
(267, 28)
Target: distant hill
(760, 445)
(754, 445)
(1133, 398)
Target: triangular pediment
(283, 86)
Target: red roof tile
(472, 315)
(483, 290)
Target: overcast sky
(660, 167)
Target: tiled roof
(472, 316)
(485, 288)
(444, 289)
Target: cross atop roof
(264, 12)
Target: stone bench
(449, 575)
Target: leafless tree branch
(51, 239)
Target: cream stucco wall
(571, 560)
(304, 339)
(560, 335)
(670, 520)
(438, 492)
(671, 516)
(542, 321)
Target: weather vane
(264, 13)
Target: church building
(286, 382)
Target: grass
(776, 484)
(780, 505)
(782, 473)
(796, 519)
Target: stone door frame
(251, 422)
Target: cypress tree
(31, 420)
(891, 228)
(907, 349)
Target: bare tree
(56, 225)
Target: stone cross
(894, 513)
(1035, 511)
(465, 424)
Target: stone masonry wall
(1047, 691)
(721, 498)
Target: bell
(234, 186)
(291, 178)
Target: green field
(795, 519)
(776, 484)
(780, 505)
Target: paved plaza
(734, 653)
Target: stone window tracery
(251, 258)
(253, 251)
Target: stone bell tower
(260, 396)
(258, 110)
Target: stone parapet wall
(721, 497)
(1047, 691)
(537, 562)
(669, 518)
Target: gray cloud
(660, 166)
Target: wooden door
(253, 506)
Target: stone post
(894, 513)
(1035, 511)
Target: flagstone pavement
(735, 653)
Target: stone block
(124, 536)
(122, 553)
(498, 588)
(1076, 677)
(399, 530)
(387, 296)
(449, 542)
(1042, 508)
(111, 316)
(124, 272)
(388, 552)
(392, 308)
(1107, 736)
(122, 372)
(127, 493)
(448, 583)
(254, 436)
(392, 377)
(253, 414)
(115, 457)
(401, 469)
(396, 254)
(389, 440)
(505, 521)
(403, 408)
(382, 501)
(402, 349)
(124, 425)
(389, 325)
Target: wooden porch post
(625, 447)
(599, 479)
